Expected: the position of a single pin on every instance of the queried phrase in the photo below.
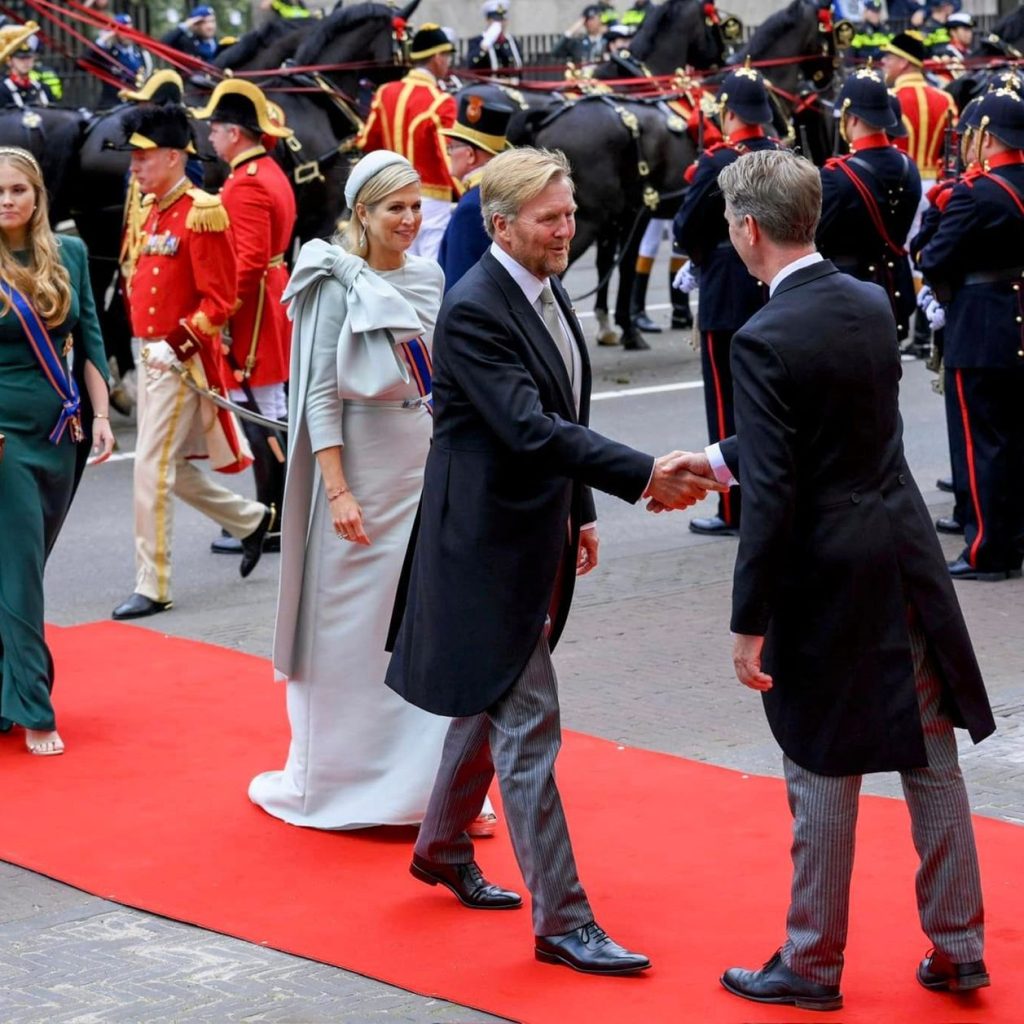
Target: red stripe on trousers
(719, 405)
(971, 473)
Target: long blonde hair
(45, 280)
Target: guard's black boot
(682, 318)
(638, 305)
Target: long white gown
(359, 755)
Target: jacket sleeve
(88, 322)
(213, 268)
(485, 365)
(766, 435)
(371, 138)
(689, 227)
(941, 259)
(833, 202)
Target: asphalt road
(645, 660)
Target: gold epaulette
(207, 213)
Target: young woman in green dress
(47, 320)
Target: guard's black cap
(865, 96)
(1001, 113)
(909, 46)
(744, 93)
(430, 39)
(481, 122)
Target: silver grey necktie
(549, 314)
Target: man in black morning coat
(505, 493)
(841, 592)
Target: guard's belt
(994, 276)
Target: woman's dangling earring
(362, 237)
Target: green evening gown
(37, 481)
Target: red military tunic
(261, 206)
(406, 117)
(182, 289)
(183, 285)
(925, 115)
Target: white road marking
(654, 389)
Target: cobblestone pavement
(645, 661)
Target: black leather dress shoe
(714, 526)
(252, 546)
(776, 983)
(589, 949)
(961, 569)
(138, 606)
(467, 882)
(682, 318)
(642, 322)
(936, 971)
(228, 545)
(945, 483)
(947, 524)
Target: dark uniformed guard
(197, 34)
(477, 136)
(406, 117)
(21, 86)
(728, 295)
(133, 63)
(181, 294)
(975, 263)
(966, 167)
(495, 47)
(261, 207)
(869, 198)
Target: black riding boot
(268, 472)
(682, 318)
(638, 305)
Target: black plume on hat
(153, 127)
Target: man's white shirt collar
(530, 285)
(791, 268)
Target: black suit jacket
(835, 541)
(506, 488)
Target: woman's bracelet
(331, 495)
(101, 416)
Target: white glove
(925, 297)
(490, 36)
(936, 314)
(159, 356)
(686, 278)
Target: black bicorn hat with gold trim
(430, 40)
(150, 126)
(744, 92)
(908, 45)
(242, 103)
(163, 86)
(481, 122)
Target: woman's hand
(102, 441)
(347, 517)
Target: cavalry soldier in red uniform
(261, 207)
(729, 296)
(181, 293)
(407, 118)
(925, 108)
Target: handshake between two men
(681, 479)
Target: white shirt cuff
(718, 465)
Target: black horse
(53, 136)
(804, 88)
(314, 162)
(679, 33)
(1008, 34)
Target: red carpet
(682, 860)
